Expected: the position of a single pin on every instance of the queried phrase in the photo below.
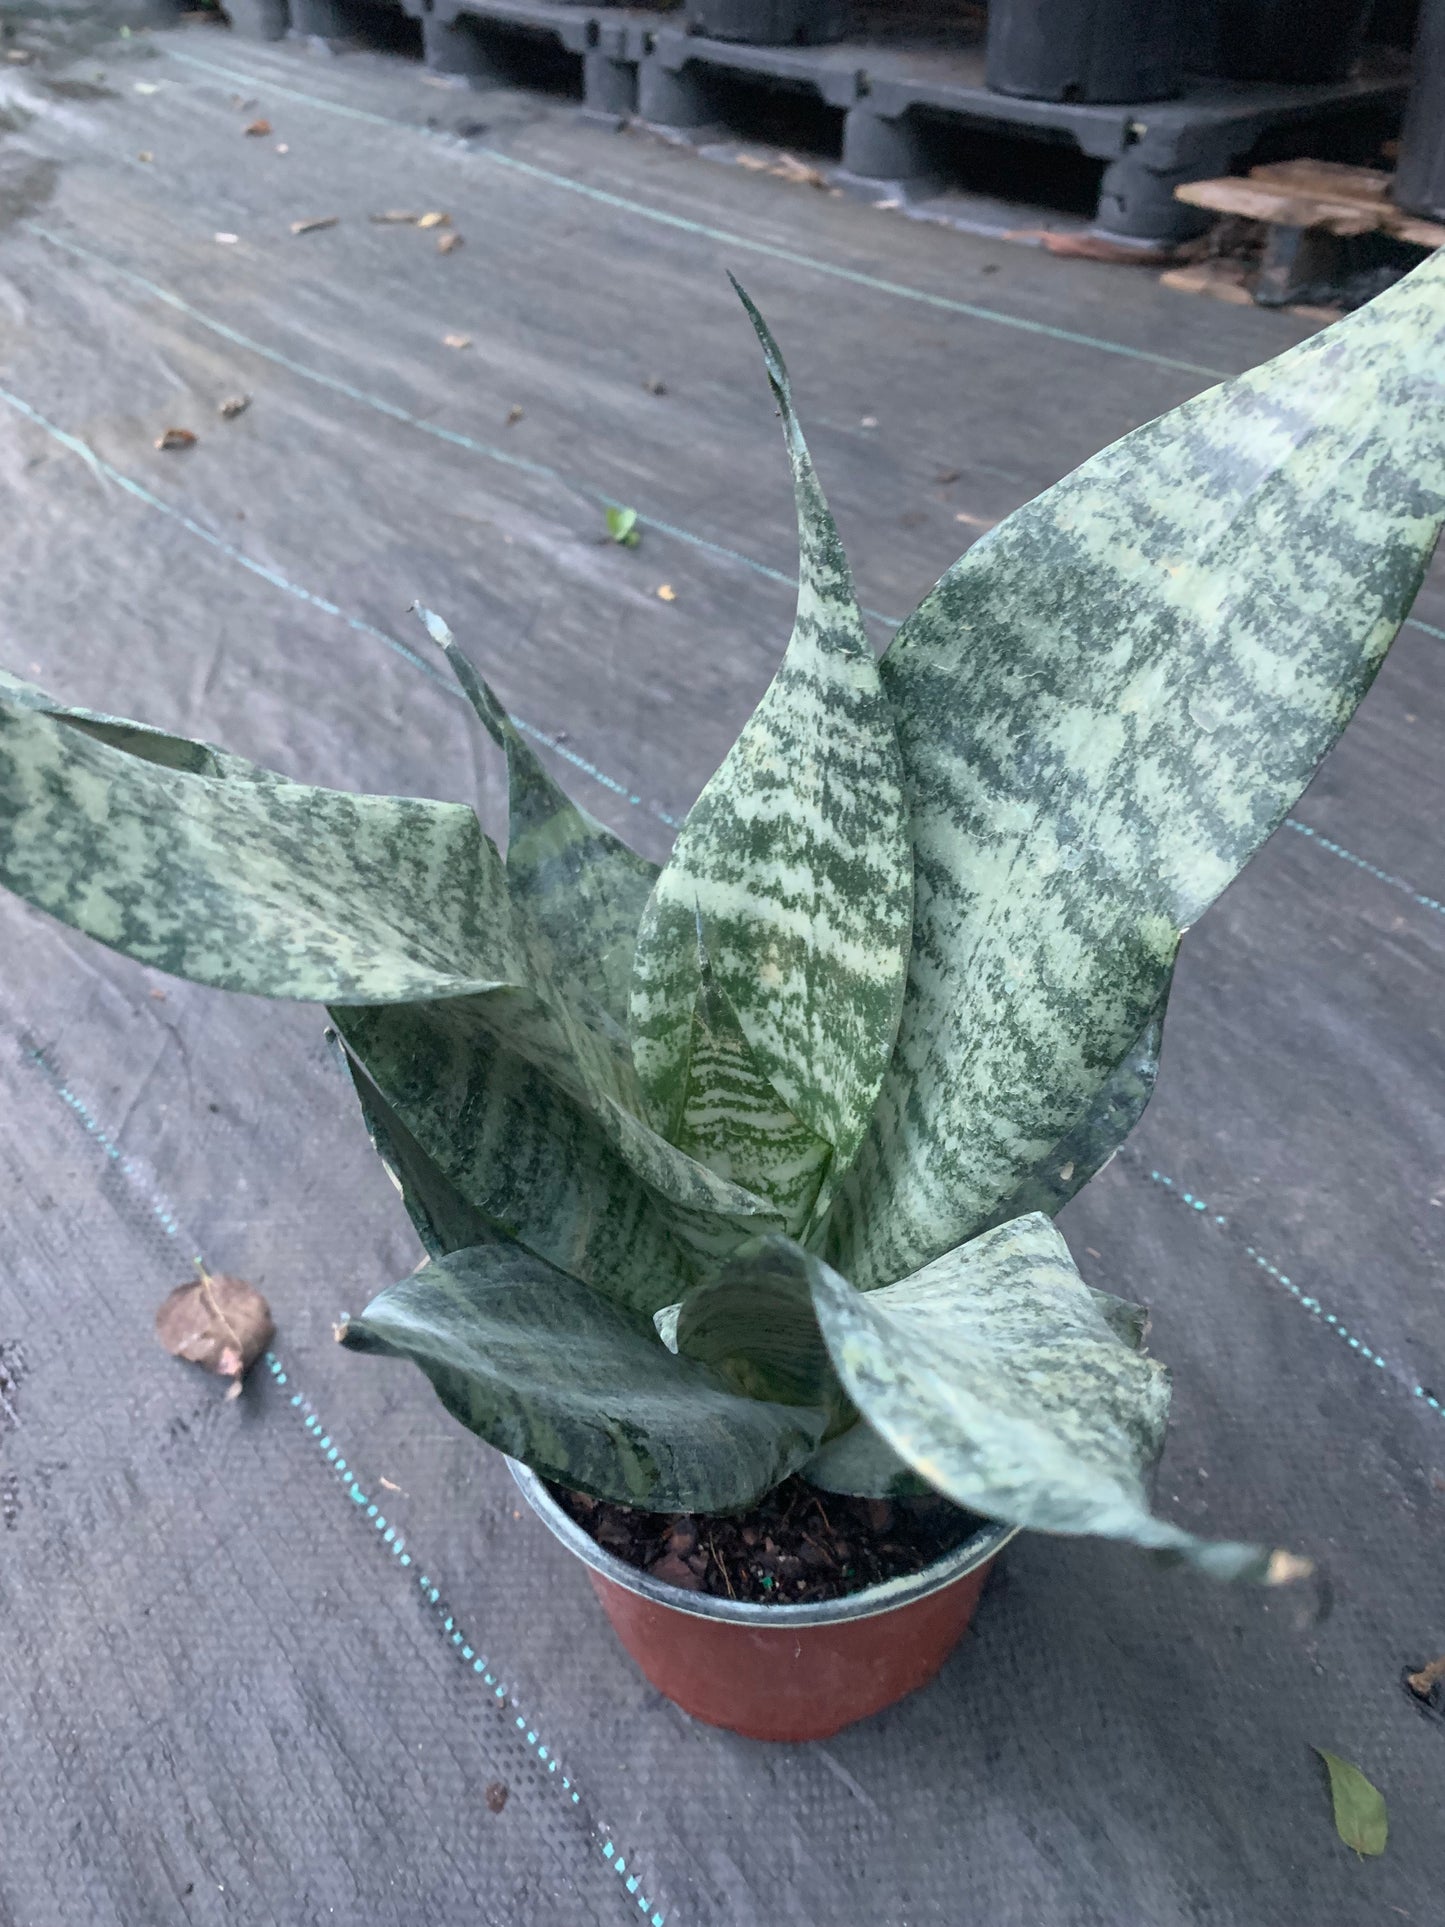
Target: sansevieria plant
(746, 1166)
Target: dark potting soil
(797, 1545)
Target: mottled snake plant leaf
(861, 1462)
(730, 1116)
(993, 1373)
(443, 1219)
(271, 887)
(1104, 709)
(582, 886)
(535, 1163)
(546, 1370)
(796, 858)
(754, 1323)
(1089, 1143)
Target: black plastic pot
(1420, 175)
(769, 23)
(1086, 50)
(1284, 41)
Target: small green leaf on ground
(622, 527)
(1359, 1807)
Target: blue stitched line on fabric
(477, 1664)
(1198, 1205)
(973, 310)
(1361, 863)
(278, 581)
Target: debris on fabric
(622, 527)
(1360, 1818)
(176, 438)
(282, 148)
(258, 127)
(974, 521)
(145, 155)
(227, 240)
(217, 1322)
(666, 592)
(655, 385)
(446, 242)
(232, 406)
(1423, 1683)
(395, 217)
(496, 1795)
(514, 415)
(434, 220)
(456, 341)
(314, 222)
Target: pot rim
(976, 1551)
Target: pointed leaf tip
(772, 353)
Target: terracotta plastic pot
(782, 1672)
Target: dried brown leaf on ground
(496, 1795)
(232, 406)
(314, 222)
(217, 1322)
(434, 220)
(176, 438)
(395, 217)
(789, 168)
(1423, 1683)
(446, 242)
(257, 127)
(456, 341)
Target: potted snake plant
(736, 1176)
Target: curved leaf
(994, 1374)
(1104, 709)
(863, 1466)
(549, 1372)
(754, 1323)
(1087, 1146)
(443, 1219)
(265, 886)
(796, 858)
(582, 886)
(530, 1159)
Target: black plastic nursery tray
(261, 1662)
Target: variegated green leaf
(862, 1463)
(796, 858)
(443, 1219)
(1103, 710)
(994, 1374)
(533, 1161)
(1087, 1146)
(582, 886)
(730, 1116)
(864, 1466)
(754, 1323)
(549, 1372)
(266, 886)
